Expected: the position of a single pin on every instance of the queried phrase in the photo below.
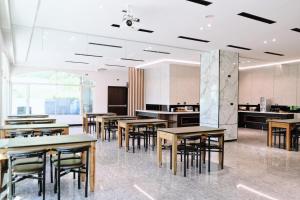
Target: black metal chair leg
(209, 155)
(58, 177)
(87, 174)
(171, 157)
(55, 179)
(184, 159)
(40, 184)
(44, 177)
(51, 169)
(79, 179)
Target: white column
(219, 91)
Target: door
(117, 100)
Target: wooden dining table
(28, 116)
(127, 124)
(101, 121)
(36, 127)
(287, 124)
(29, 121)
(88, 117)
(174, 135)
(47, 143)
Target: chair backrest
(15, 155)
(296, 129)
(72, 150)
(50, 132)
(20, 133)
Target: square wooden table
(174, 135)
(29, 121)
(48, 143)
(87, 118)
(127, 124)
(287, 124)
(102, 120)
(37, 127)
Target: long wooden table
(29, 120)
(176, 134)
(287, 124)
(48, 143)
(127, 124)
(87, 117)
(37, 127)
(102, 120)
(28, 116)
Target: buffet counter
(175, 119)
(258, 120)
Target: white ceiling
(48, 32)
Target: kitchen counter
(168, 113)
(175, 119)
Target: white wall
(280, 84)
(102, 80)
(167, 84)
(184, 84)
(157, 84)
(4, 85)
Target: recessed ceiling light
(274, 40)
(265, 42)
(209, 25)
(201, 28)
(100, 6)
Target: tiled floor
(252, 171)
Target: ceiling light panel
(257, 18)
(193, 39)
(272, 53)
(201, 2)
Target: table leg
(97, 130)
(2, 134)
(221, 154)
(66, 131)
(9, 185)
(174, 154)
(102, 130)
(83, 124)
(270, 139)
(126, 137)
(119, 136)
(288, 137)
(92, 166)
(159, 149)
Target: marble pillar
(219, 91)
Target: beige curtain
(135, 90)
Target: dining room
(149, 100)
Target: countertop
(277, 113)
(168, 113)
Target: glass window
(19, 99)
(53, 93)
